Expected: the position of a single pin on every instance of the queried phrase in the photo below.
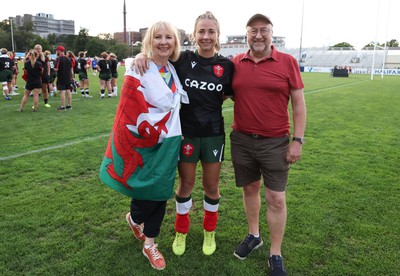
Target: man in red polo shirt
(264, 82)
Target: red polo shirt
(262, 93)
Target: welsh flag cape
(142, 152)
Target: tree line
(391, 43)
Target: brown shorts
(253, 156)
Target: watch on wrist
(298, 139)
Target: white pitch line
(333, 87)
(52, 147)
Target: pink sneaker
(155, 257)
(136, 228)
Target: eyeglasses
(254, 32)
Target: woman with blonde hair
(207, 77)
(34, 72)
(45, 75)
(143, 149)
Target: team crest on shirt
(187, 149)
(218, 70)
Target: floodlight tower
(375, 42)
(301, 35)
(124, 12)
(12, 33)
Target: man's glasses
(254, 32)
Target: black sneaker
(62, 108)
(68, 107)
(247, 246)
(276, 266)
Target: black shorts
(45, 78)
(52, 77)
(6, 76)
(105, 76)
(83, 76)
(63, 86)
(253, 156)
(33, 85)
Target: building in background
(44, 24)
(132, 37)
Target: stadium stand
(328, 57)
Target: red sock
(182, 223)
(210, 220)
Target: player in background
(52, 77)
(114, 73)
(83, 77)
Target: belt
(256, 136)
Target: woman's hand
(140, 64)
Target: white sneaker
(13, 93)
(88, 96)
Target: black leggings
(150, 213)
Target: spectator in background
(83, 77)
(34, 71)
(89, 61)
(52, 77)
(64, 78)
(104, 68)
(6, 73)
(94, 62)
(114, 74)
(15, 70)
(45, 74)
(74, 64)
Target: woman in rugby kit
(206, 76)
(114, 73)
(104, 67)
(52, 77)
(45, 75)
(34, 71)
(83, 77)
